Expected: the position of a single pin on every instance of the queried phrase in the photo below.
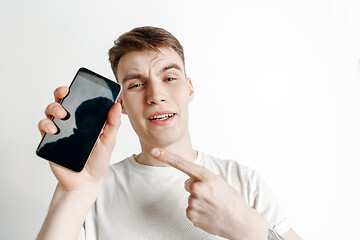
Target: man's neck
(181, 148)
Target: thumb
(112, 125)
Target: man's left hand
(213, 205)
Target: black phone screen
(88, 102)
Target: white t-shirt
(145, 202)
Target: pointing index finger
(187, 167)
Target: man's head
(143, 38)
(149, 64)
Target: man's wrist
(253, 227)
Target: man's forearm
(67, 213)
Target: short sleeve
(264, 202)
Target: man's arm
(76, 192)
(216, 207)
(67, 212)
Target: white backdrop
(276, 88)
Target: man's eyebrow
(170, 66)
(130, 77)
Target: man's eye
(136, 85)
(170, 79)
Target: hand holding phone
(98, 162)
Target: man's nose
(155, 94)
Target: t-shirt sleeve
(264, 202)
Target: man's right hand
(98, 163)
(76, 192)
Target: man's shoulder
(120, 166)
(244, 179)
(121, 162)
(227, 167)
(117, 173)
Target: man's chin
(162, 140)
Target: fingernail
(58, 111)
(51, 128)
(155, 152)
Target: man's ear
(122, 105)
(191, 88)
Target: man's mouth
(162, 116)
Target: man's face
(155, 95)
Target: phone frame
(95, 78)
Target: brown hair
(150, 38)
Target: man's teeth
(162, 117)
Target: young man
(169, 190)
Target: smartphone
(87, 104)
